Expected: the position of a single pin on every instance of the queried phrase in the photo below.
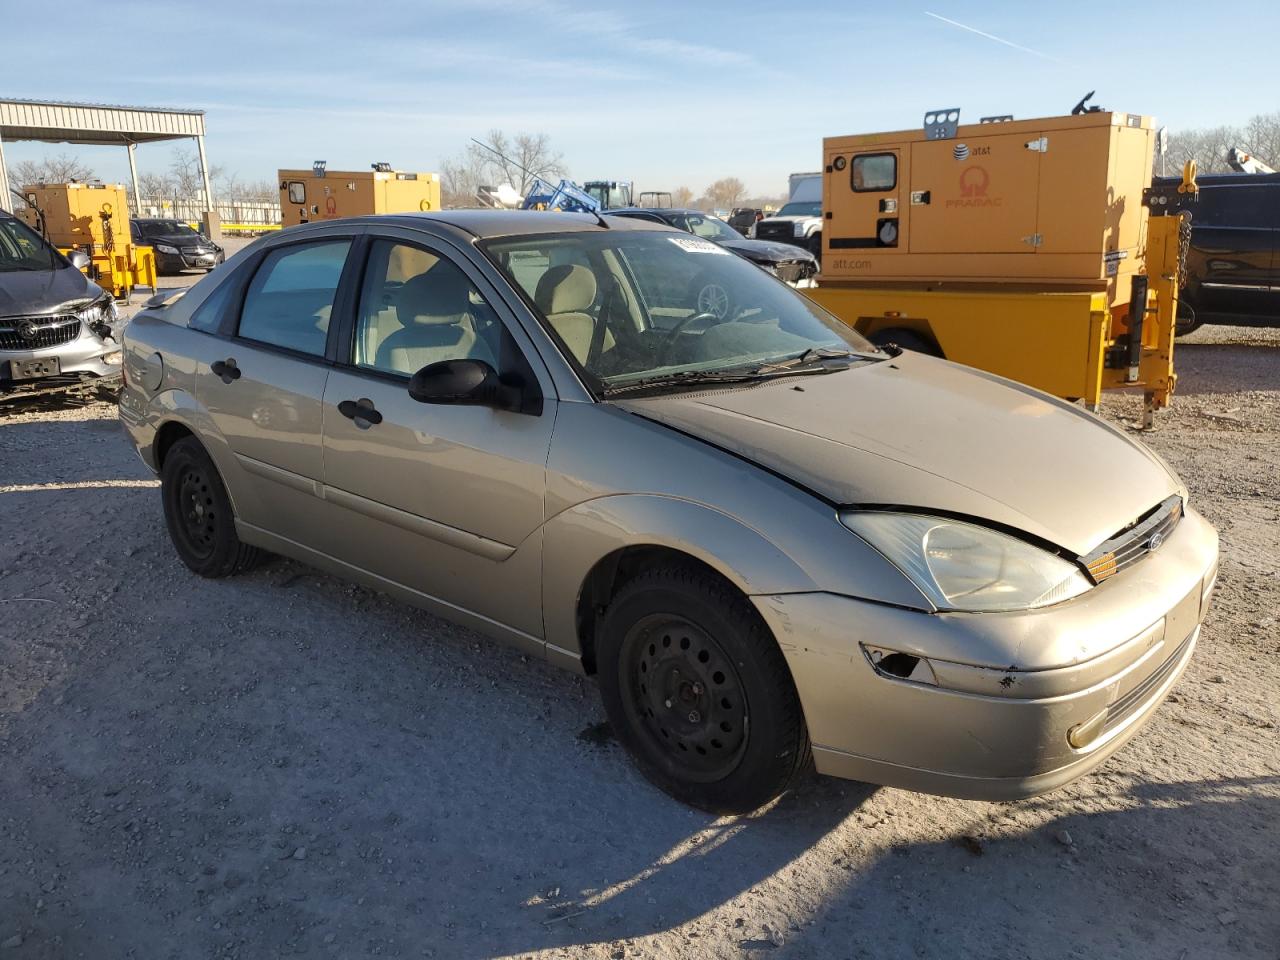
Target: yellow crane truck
(92, 217)
(1034, 249)
(322, 194)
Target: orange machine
(1016, 246)
(321, 194)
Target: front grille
(1129, 546)
(783, 232)
(35, 333)
(1136, 699)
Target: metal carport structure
(101, 125)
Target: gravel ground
(287, 765)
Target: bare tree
(682, 197)
(62, 168)
(1261, 137)
(515, 160)
(725, 194)
(462, 177)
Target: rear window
(291, 296)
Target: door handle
(362, 412)
(226, 369)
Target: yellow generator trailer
(321, 194)
(1016, 246)
(92, 217)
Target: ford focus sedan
(772, 544)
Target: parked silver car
(768, 540)
(56, 325)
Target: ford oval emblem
(1154, 543)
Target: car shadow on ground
(1125, 882)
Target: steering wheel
(669, 340)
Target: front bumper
(84, 357)
(184, 260)
(992, 728)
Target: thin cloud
(992, 36)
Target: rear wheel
(907, 340)
(198, 513)
(698, 691)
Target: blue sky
(664, 93)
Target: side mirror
(464, 382)
(78, 259)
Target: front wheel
(699, 693)
(198, 513)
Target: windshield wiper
(682, 379)
(811, 356)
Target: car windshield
(167, 228)
(809, 209)
(713, 228)
(21, 248)
(639, 309)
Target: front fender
(583, 535)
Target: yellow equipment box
(92, 217)
(1054, 201)
(319, 194)
(1035, 249)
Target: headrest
(439, 296)
(568, 288)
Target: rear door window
(289, 302)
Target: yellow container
(307, 196)
(1053, 203)
(93, 217)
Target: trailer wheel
(907, 340)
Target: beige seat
(564, 295)
(434, 308)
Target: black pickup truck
(1233, 267)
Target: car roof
(486, 224)
(658, 211)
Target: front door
(261, 378)
(444, 499)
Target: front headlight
(165, 248)
(962, 566)
(101, 317)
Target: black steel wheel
(198, 513)
(685, 696)
(698, 691)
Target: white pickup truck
(799, 222)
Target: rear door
(1234, 230)
(261, 380)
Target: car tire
(907, 340)
(698, 691)
(711, 296)
(1187, 321)
(198, 514)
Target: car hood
(787, 219)
(180, 240)
(44, 291)
(766, 251)
(929, 435)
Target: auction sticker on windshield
(694, 245)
